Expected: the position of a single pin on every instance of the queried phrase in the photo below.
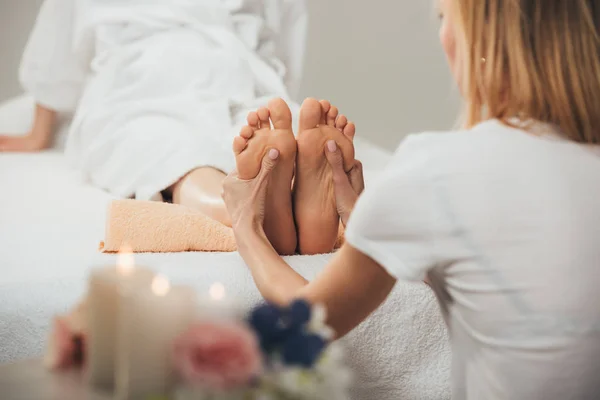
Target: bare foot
(317, 220)
(250, 147)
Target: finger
(345, 195)
(260, 189)
(229, 183)
(234, 173)
(230, 178)
(357, 180)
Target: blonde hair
(532, 59)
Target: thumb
(335, 160)
(268, 163)
(342, 186)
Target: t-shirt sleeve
(394, 221)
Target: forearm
(43, 124)
(276, 281)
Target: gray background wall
(378, 60)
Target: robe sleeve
(50, 70)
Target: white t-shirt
(507, 226)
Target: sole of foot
(316, 216)
(271, 128)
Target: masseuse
(503, 216)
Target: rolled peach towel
(155, 227)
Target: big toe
(310, 114)
(281, 116)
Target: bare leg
(201, 190)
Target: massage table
(51, 224)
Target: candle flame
(125, 260)
(160, 286)
(217, 291)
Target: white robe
(160, 87)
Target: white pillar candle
(105, 287)
(149, 322)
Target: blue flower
(302, 350)
(267, 321)
(286, 329)
(299, 314)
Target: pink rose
(66, 345)
(61, 347)
(217, 355)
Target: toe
(239, 144)
(253, 119)
(332, 116)
(263, 115)
(350, 130)
(341, 122)
(310, 114)
(280, 114)
(247, 132)
(325, 107)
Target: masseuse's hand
(245, 199)
(347, 185)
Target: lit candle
(217, 305)
(105, 290)
(149, 322)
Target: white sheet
(50, 226)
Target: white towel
(400, 352)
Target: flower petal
(302, 350)
(299, 313)
(59, 353)
(217, 356)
